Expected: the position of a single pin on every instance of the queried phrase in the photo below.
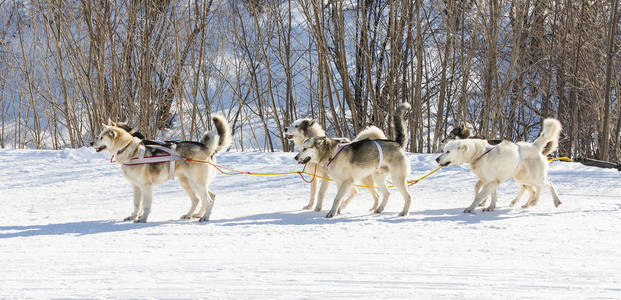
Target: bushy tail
(219, 139)
(547, 141)
(399, 123)
(370, 133)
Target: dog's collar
(123, 149)
(341, 147)
(487, 150)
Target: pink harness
(170, 157)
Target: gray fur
(359, 162)
(301, 130)
(194, 177)
(401, 136)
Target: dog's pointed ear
(110, 123)
(311, 122)
(104, 126)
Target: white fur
(522, 161)
(293, 133)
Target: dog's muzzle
(304, 161)
(444, 164)
(100, 148)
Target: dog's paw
(140, 220)
(185, 217)
(196, 216)
(307, 207)
(469, 210)
(489, 209)
(514, 202)
(526, 205)
(330, 215)
(557, 203)
(130, 218)
(318, 208)
(403, 214)
(378, 210)
(204, 219)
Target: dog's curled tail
(547, 141)
(399, 123)
(370, 133)
(219, 139)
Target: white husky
(525, 162)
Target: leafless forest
(499, 65)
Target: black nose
(438, 159)
(296, 157)
(286, 129)
(92, 143)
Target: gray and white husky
(194, 177)
(525, 162)
(363, 160)
(303, 129)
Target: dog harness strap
(341, 147)
(519, 164)
(381, 154)
(172, 158)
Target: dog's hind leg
(376, 197)
(487, 189)
(557, 201)
(313, 195)
(520, 194)
(137, 200)
(183, 181)
(147, 198)
(207, 201)
(322, 192)
(401, 184)
(343, 187)
(492, 205)
(352, 193)
(534, 198)
(381, 182)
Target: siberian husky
(303, 129)
(525, 162)
(361, 160)
(194, 177)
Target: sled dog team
(369, 159)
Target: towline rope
(228, 171)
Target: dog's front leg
(487, 189)
(147, 197)
(477, 188)
(492, 205)
(312, 195)
(322, 192)
(137, 199)
(343, 188)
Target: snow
(61, 236)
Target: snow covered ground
(61, 236)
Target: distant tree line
(499, 65)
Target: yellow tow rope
(314, 175)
